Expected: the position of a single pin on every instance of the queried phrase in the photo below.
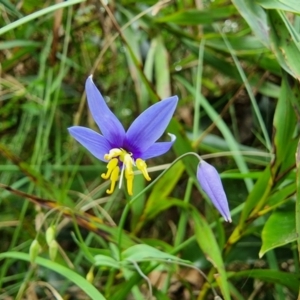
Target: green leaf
(71, 275)
(207, 242)
(11, 8)
(286, 279)
(255, 199)
(106, 261)
(18, 43)
(165, 184)
(282, 194)
(144, 252)
(196, 16)
(255, 17)
(284, 142)
(279, 230)
(161, 205)
(246, 45)
(283, 43)
(287, 5)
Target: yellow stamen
(113, 179)
(116, 156)
(129, 179)
(141, 165)
(115, 152)
(128, 163)
(110, 167)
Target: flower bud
(211, 184)
(34, 250)
(90, 275)
(53, 249)
(50, 234)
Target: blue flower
(211, 184)
(124, 150)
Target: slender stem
(128, 205)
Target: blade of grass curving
(83, 219)
(71, 275)
(38, 14)
(233, 145)
(287, 5)
(198, 88)
(249, 90)
(285, 279)
(19, 43)
(196, 16)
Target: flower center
(119, 157)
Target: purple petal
(91, 140)
(211, 184)
(110, 126)
(158, 148)
(150, 125)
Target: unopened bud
(90, 275)
(211, 184)
(34, 250)
(50, 235)
(53, 249)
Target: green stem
(128, 205)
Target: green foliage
(235, 68)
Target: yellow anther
(121, 156)
(141, 165)
(115, 152)
(129, 180)
(112, 164)
(128, 163)
(113, 179)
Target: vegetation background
(235, 67)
